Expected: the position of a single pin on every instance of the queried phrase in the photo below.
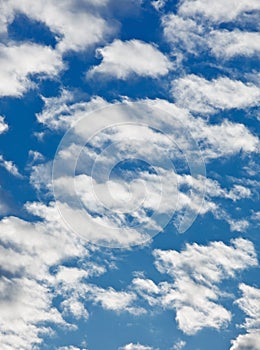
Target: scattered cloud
(123, 58)
(197, 270)
(250, 304)
(179, 345)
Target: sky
(129, 186)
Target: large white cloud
(19, 61)
(123, 58)
(137, 142)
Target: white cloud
(219, 10)
(70, 347)
(158, 4)
(110, 299)
(107, 202)
(19, 61)
(226, 44)
(179, 345)
(250, 304)
(123, 58)
(3, 125)
(27, 252)
(9, 166)
(183, 33)
(75, 25)
(26, 309)
(206, 96)
(215, 140)
(62, 112)
(197, 271)
(238, 225)
(132, 346)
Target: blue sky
(129, 211)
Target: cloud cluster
(197, 271)
(195, 29)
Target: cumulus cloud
(250, 304)
(123, 58)
(27, 287)
(19, 61)
(75, 26)
(197, 271)
(218, 11)
(206, 96)
(196, 35)
(227, 44)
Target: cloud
(250, 304)
(137, 346)
(27, 287)
(76, 26)
(158, 4)
(20, 61)
(3, 126)
(197, 270)
(206, 96)
(195, 35)
(110, 299)
(183, 33)
(26, 312)
(123, 58)
(218, 11)
(9, 166)
(179, 345)
(227, 44)
(61, 112)
(107, 202)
